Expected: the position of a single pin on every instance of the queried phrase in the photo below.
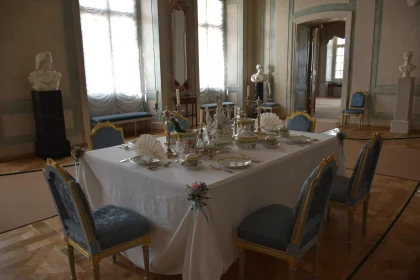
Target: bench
(213, 106)
(270, 106)
(123, 118)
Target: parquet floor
(37, 251)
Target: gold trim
(98, 127)
(306, 115)
(243, 244)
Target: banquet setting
(211, 139)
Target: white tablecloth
(181, 243)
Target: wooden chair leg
(114, 258)
(70, 253)
(95, 270)
(146, 260)
(365, 214)
(343, 121)
(292, 268)
(360, 122)
(241, 263)
(315, 268)
(350, 212)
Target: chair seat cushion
(270, 104)
(271, 226)
(116, 225)
(353, 111)
(120, 117)
(214, 105)
(340, 191)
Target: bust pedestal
(258, 92)
(51, 139)
(403, 106)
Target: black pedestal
(258, 92)
(51, 139)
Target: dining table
(201, 244)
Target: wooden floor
(37, 251)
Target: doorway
(320, 64)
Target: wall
(28, 27)
(382, 31)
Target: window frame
(335, 48)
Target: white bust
(259, 77)
(43, 78)
(407, 67)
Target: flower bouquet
(197, 193)
(76, 153)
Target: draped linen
(111, 56)
(211, 44)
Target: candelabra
(248, 104)
(258, 103)
(167, 116)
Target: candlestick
(157, 97)
(169, 153)
(269, 91)
(247, 92)
(258, 103)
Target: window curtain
(211, 44)
(111, 56)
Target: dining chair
(99, 233)
(348, 193)
(105, 135)
(301, 121)
(181, 120)
(288, 233)
(358, 103)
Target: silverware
(252, 160)
(220, 169)
(124, 160)
(153, 168)
(294, 144)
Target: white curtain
(211, 46)
(111, 54)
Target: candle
(247, 92)
(201, 116)
(269, 89)
(157, 97)
(178, 101)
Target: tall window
(111, 55)
(339, 58)
(211, 49)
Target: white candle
(157, 97)
(247, 92)
(178, 101)
(269, 89)
(201, 116)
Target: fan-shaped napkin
(269, 120)
(147, 146)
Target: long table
(201, 246)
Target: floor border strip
(363, 261)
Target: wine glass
(180, 147)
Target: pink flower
(195, 186)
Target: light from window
(110, 46)
(339, 59)
(211, 44)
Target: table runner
(193, 246)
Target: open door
(313, 77)
(303, 41)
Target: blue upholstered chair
(358, 103)
(99, 233)
(105, 135)
(181, 120)
(288, 233)
(348, 193)
(301, 121)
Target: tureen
(270, 141)
(191, 159)
(284, 132)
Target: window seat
(123, 118)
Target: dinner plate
(234, 162)
(139, 161)
(192, 167)
(299, 139)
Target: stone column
(404, 101)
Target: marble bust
(259, 77)
(43, 78)
(407, 67)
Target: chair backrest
(105, 135)
(312, 204)
(358, 100)
(181, 120)
(71, 204)
(301, 121)
(364, 171)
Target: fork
(220, 169)
(251, 159)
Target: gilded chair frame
(98, 127)
(294, 250)
(306, 115)
(353, 195)
(344, 115)
(93, 253)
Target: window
(339, 58)
(111, 55)
(211, 49)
